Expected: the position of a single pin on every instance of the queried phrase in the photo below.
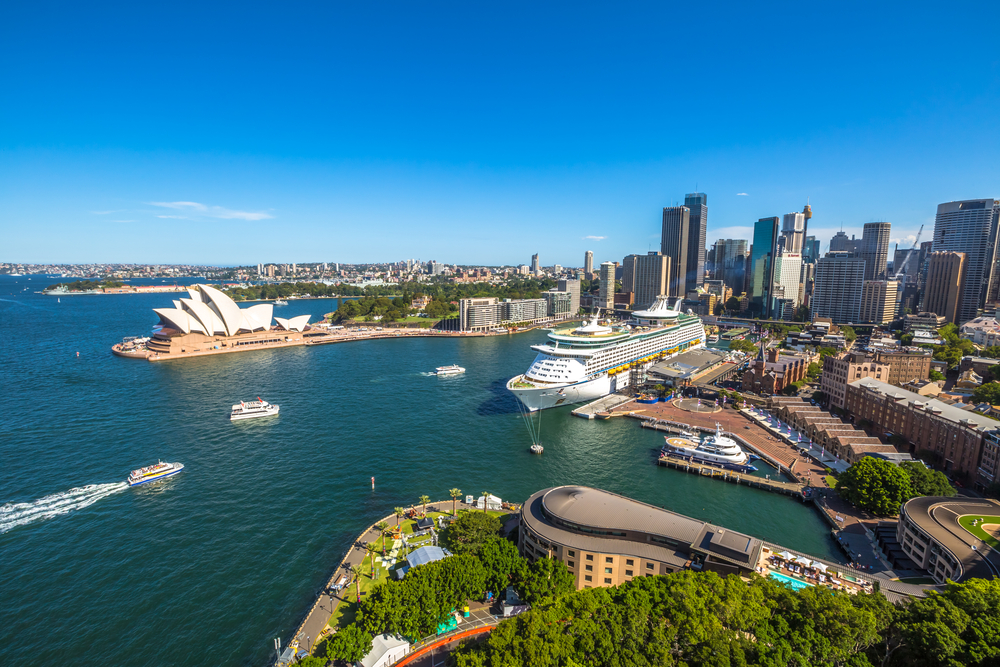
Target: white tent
(802, 560)
(819, 566)
(493, 503)
(786, 556)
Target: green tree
(733, 304)
(743, 346)
(486, 500)
(423, 500)
(906, 339)
(937, 376)
(813, 370)
(356, 572)
(469, 532)
(849, 334)
(502, 562)
(400, 513)
(826, 351)
(372, 550)
(925, 481)
(455, 495)
(350, 644)
(987, 393)
(991, 352)
(875, 485)
(383, 528)
(544, 580)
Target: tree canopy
(875, 485)
(743, 346)
(350, 644)
(987, 393)
(926, 481)
(471, 531)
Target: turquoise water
(211, 564)
(797, 584)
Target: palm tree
(356, 572)
(486, 499)
(455, 495)
(400, 513)
(371, 549)
(423, 501)
(383, 528)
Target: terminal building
(932, 536)
(605, 539)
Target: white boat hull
(270, 412)
(553, 396)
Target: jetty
(795, 489)
(605, 404)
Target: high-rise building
(793, 226)
(588, 263)
(878, 301)
(606, 297)
(763, 252)
(573, 287)
(647, 275)
(534, 263)
(970, 227)
(905, 265)
(674, 244)
(697, 204)
(837, 289)
(787, 273)
(807, 213)
(810, 250)
(944, 283)
(730, 262)
(875, 249)
(840, 243)
(926, 248)
(556, 269)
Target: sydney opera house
(208, 322)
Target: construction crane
(902, 269)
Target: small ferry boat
(449, 370)
(715, 450)
(280, 302)
(714, 338)
(153, 473)
(251, 409)
(537, 449)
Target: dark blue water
(207, 567)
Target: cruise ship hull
(544, 397)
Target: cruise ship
(716, 450)
(594, 360)
(153, 473)
(251, 409)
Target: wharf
(605, 404)
(788, 488)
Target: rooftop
(918, 402)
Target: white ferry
(280, 302)
(251, 409)
(449, 370)
(716, 450)
(714, 338)
(153, 473)
(594, 360)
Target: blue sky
(478, 133)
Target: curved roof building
(930, 533)
(209, 311)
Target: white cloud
(594, 238)
(202, 210)
(906, 241)
(174, 217)
(742, 194)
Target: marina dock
(604, 404)
(788, 488)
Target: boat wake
(13, 515)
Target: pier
(795, 489)
(605, 404)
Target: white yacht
(251, 409)
(717, 450)
(594, 360)
(449, 370)
(280, 302)
(714, 338)
(153, 473)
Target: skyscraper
(875, 249)
(573, 287)
(534, 263)
(646, 277)
(840, 243)
(810, 250)
(730, 262)
(763, 252)
(878, 301)
(970, 226)
(697, 204)
(792, 232)
(944, 283)
(837, 288)
(787, 273)
(674, 244)
(588, 262)
(606, 297)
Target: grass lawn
(966, 522)
(831, 481)
(347, 610)
(918, 580)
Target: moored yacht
(251, 409)
(153, 473)
(449, 370)
(595, 359)
(716, 450)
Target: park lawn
(347, 610)
(966, 522)
(918, 580)
(831, 481)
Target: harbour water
(205, 568)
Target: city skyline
(442, 142)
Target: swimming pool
(797, 584)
